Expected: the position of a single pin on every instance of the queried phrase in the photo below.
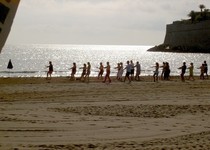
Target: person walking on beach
(183, 70)
(138, 71)
(118, 71)
(191, 71)
(88, 72)
(206, 69)
(108, 70)
(121, 71)
(163, 70)
(83, 71)
(166, 71)
(128, 72)
(156, 72)
(73, 71)
(101, 70)
(132, 70)
(202, 70)
(50, 71)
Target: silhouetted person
(138, 71)
(84, 69)
(88, 72)
(206, 69)
(101, 70)
(108, 70)
(73, 71)
(121, 72)
(191, 71)
(156, 72)
(128, 71)
(118, 71)
(132, 69)
(202, 69)
(163, 70)
(166, 71)
(50, 71)
(183, 70)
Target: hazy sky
(124, 22)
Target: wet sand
(36, 113)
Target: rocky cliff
(186, 37)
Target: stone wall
(188, 37)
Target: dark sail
(10, 66)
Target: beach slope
(36, 113)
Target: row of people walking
(86, 70)
(166, 71)
(120, 70)
(203, 71)
(132, 68)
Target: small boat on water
(8, 10)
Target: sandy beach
(36, 113)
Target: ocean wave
(21, 72)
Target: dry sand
(36, 113)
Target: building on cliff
(185, 36)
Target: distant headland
(191, 35)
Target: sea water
(31, 60)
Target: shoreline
(66, 79)
(164, 48)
